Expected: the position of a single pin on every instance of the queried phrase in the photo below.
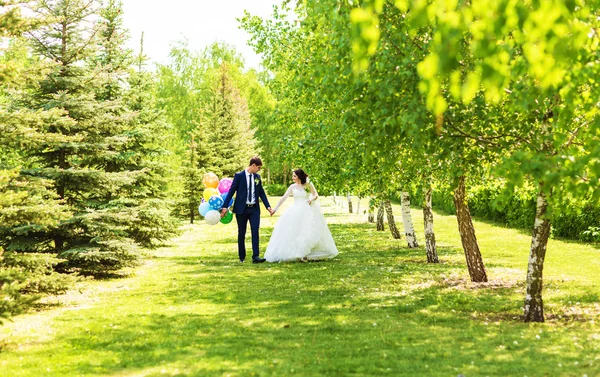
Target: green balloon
(227, 218)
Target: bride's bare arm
(283, 198)
(313, 191)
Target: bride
(301, 232)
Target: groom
(248, 189)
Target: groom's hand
(223, 212)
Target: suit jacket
(239, 187)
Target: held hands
(271, 211)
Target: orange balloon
(210, 180)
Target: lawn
(377, 309)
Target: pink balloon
(225, 185)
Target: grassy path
(377, 309)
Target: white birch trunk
(391, 220)
(534, 305)
(409, 229)
(358, 206)
(430, 246)
(380, 213)
(349, 199)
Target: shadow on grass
(376, 309)
(330, 318)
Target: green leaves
(365, 31)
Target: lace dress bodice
(299, 193)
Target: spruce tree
(192, 179)
(28, 205)
(85, 133)
(232, 138)
(145, 152)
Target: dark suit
(244, 213)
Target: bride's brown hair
(301, 175)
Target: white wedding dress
(301, 232)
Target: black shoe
(258, 260)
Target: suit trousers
(252, 215)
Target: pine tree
(232, 138)
(146, 152)
(181, 92)
(192, 178)
(85, 133)
(28, 205)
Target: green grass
(377, 309)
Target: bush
(25, 278)
(101, 260)
(275, 189)
(574, 219)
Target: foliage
(13, 24)
(438, 101)
(25, 278)
(83, 124)
(214, 107)
(575, 220)
(275, 189)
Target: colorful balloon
(212, 217)
(216, 202)
(224, 196)
(210, 180)
(209, 192)
(227, 218)
(203, 208)
(225, 185)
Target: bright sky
(201, 22)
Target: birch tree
(409, 229)
(430, 245)
(542, 74)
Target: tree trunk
(371, 205)
(430, 247)
(349, 202)
(358, 206)
(534, 306)
(380, 226)
(409, 229)
(391, 220)
(334, 197)
(285, 174)
(467, 235)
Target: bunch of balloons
(213, 198)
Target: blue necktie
(251, 188)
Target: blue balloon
(224, 196)
(203, 208)
(216, 202)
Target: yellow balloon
(210, 180)
(210, 192)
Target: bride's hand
(309, 201)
